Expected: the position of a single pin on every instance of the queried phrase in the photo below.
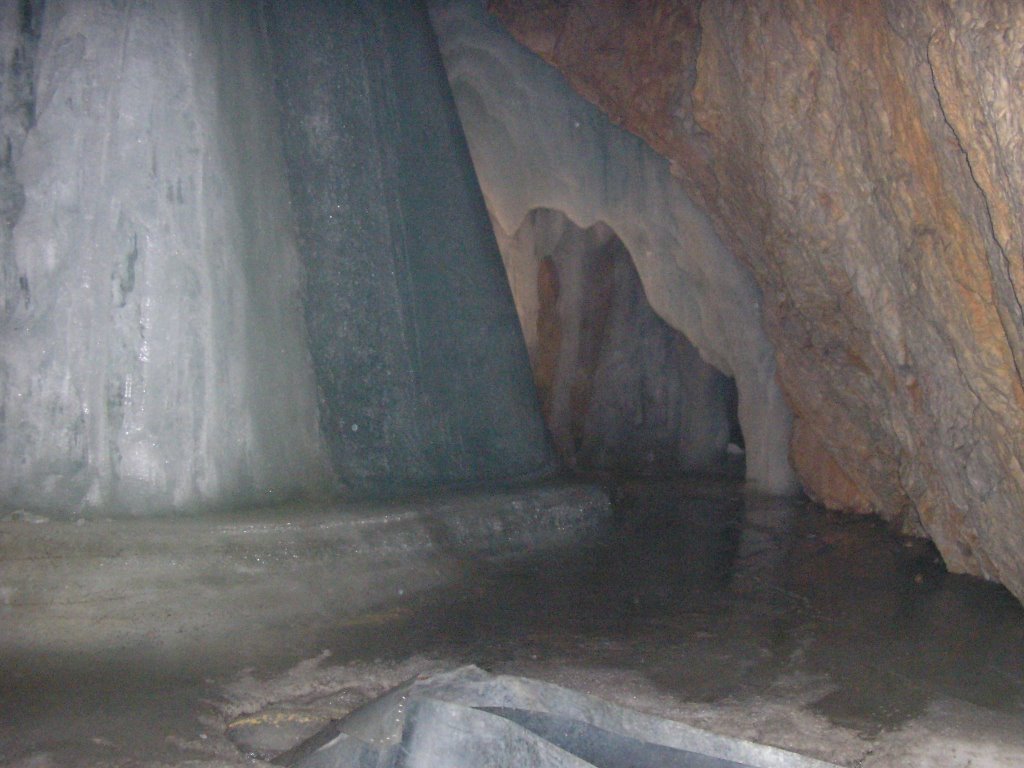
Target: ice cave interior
(667, 352)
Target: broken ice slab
(466, 718)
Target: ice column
(245, 257)
(420, 361)
(152, 348)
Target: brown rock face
(866, 159)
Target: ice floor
(772, 621)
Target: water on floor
(756, 617)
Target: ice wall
(420, 361)
(212, 296)
(151, 348)
(536, 144)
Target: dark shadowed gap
(621, 390)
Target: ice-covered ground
(768, 621)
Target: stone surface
(466, 717)
(620, 389)
(865, 160)
(536, 144)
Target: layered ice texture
(151, 340)
(197, 313)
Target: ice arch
(537, 144)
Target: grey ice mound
(470, 718)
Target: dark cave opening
(621, 390)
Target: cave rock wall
(537, 144)
(867, 161)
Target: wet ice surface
(746, 615)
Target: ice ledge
(208, 582)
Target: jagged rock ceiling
(865, 160)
